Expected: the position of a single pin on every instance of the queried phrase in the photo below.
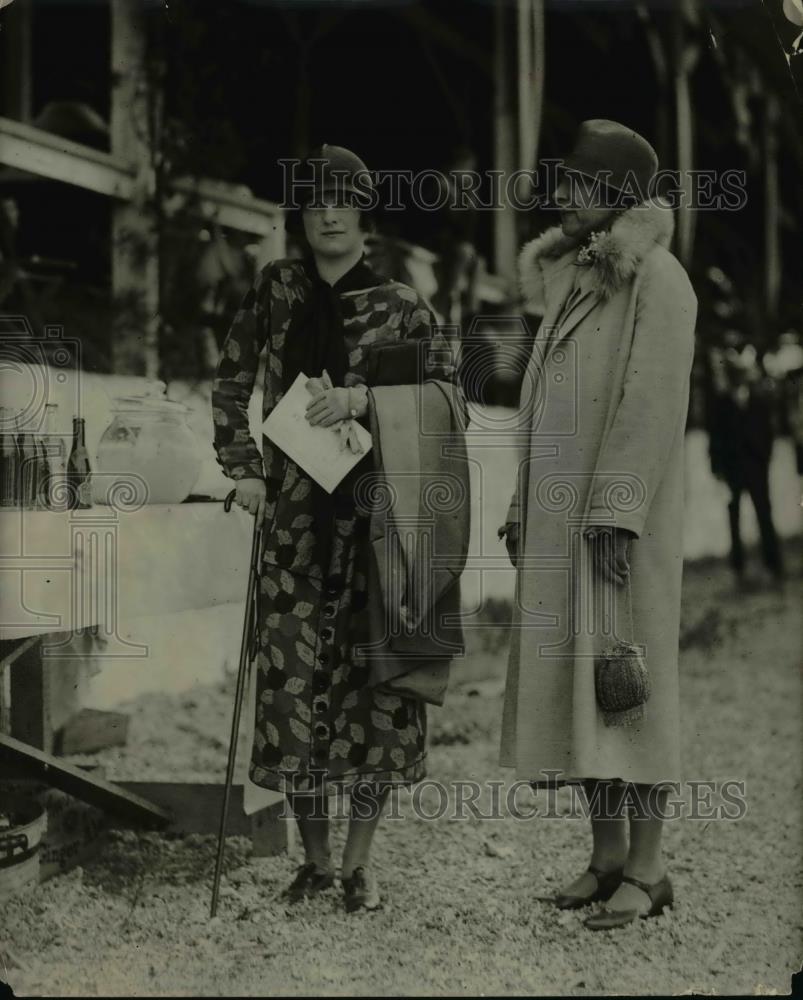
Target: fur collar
(620, 250)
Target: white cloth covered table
(62, 571)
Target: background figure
(741, 438)
(455, 241)
(785, 365)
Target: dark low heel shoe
(359, 891)
(661, 898)
(607, 884)
(309, 881)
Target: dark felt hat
(620, 155)
(336, 170)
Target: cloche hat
(623, 157)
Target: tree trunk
(504, 147)
(135, 242)
(772, 229)
(684, 57)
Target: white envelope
(315, 449)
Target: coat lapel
(586, 299)
(558, 279)
(558, 283)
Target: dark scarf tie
(315, 337)
(314, 342)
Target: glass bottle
(78, 470)
(9, 462)
(28, 458)
(56, 454)
(41, 468)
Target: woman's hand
(609, 552)
(330, 405)
(251, 496)
(510, 533)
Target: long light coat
(603, 407)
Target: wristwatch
(353, 411)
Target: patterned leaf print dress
(316, 718)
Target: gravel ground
(462, 913)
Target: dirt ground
(462, 913)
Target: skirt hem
(279, 781)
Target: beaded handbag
(621, 679)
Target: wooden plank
(115, 799)
(17, 50)
(90, 730)
(270, 834)
(5, 701)
(30, 699)
(195, 808)
(227, 205)
(194, 805)
(25, 147)
(45, 694)
(10, 649)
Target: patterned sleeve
(236, 450)
(439, 358)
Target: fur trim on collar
(620, 250)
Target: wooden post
(30, 698)
(531, 54)
(772, 228)
(44, 692)
(661, 69)
(524, 38)
(135, 243)
(504, 147)
(16, 59)
(685, 55)
(10, 650)
(539, 77)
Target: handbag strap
(617, 600)
(630, 608)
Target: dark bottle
(78, 472)
(42, 472)
(29, 466)
(9, 462)
(56, 452)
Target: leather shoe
(661, 897)
(359, 891)
(607, 884)
(309, 881)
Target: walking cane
(247, 652)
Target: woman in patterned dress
(317, 720)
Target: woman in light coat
(595, 525)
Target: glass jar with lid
(148, 452)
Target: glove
(510, 533)
(348, 437)
(610, 553)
